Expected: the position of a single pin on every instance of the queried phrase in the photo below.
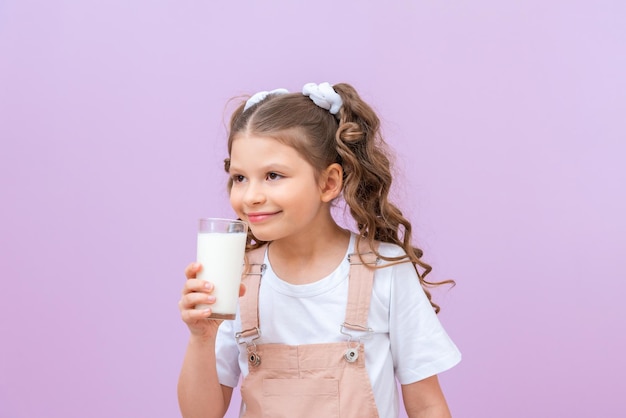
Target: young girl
(329, 318)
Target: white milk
(221, 255)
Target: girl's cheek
(235, 199)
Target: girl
(329, 318)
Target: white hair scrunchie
(324, 96)
(260, 96)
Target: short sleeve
(419, 344)
(227, 355)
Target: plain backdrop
(508, 123)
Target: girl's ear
(331, 182)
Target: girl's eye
(238, 178)
(273, 176)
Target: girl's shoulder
(385, 249)
(390, 254)
(388, 249)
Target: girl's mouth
(260, 217)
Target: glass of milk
(221, 248)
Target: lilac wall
(509, 122)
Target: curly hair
(352, 139)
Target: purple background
(508, 118)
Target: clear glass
(220, 250)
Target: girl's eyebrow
(264, 168)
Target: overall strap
(249, 303)
(360, 286)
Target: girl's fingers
(192, 269)
(197, 285)
(190, 300)
(188, 312)
(192, 316)
(197, 292)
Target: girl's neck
(308, 259)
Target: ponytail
(365, 159)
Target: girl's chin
(259, 235)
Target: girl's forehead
(250, 142)
(255, 143)
(251, 153)
(254, 146)
(283, 136)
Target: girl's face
(274, 189)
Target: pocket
(302, 398)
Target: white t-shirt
(408, 342)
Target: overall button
(351, 355)
(254, 359)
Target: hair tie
(324, 96)
(260, 96)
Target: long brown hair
(353, 140)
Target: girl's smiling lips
(259, 216)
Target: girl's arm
(200, 395)
(424, 399)
(199, 392)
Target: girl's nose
(254, 195)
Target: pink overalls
(316, 380)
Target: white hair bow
(324, 96)
(260, 96)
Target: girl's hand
(199, 292)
